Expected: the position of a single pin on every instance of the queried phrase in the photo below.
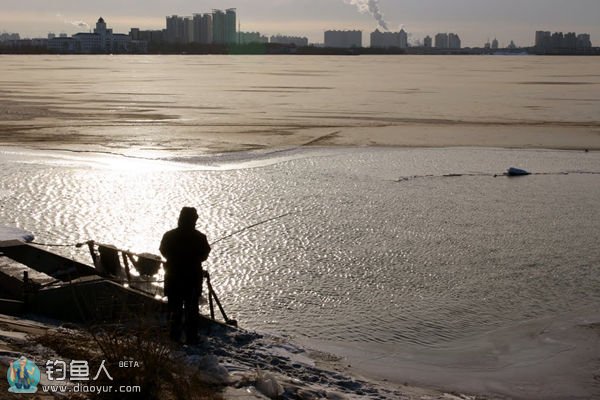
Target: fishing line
(251, 226)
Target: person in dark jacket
(185, 248)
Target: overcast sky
(474, 20)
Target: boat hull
(79, 293)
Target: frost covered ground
(240, 364)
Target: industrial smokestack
(371, 7)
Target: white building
(389, 39)
(103, 40)
(447, 41)
(89, 43)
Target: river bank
(232, 366)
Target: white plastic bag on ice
(268, 385)
(208, 369)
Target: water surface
(183, 105)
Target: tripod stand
(212, 298)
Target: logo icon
(23, 376)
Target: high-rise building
(343, 39)
(175, 29)
(570, 41)
(389, 39)
(542, 39)
(188, 30)
(447, 41)
(583, 41)
(218, 17)
(203, 28)
(206, 29)
(441, 41)
(224, 29)
(230, 26)
(218, 28)
(556, 40)
(495, 44)
(454, 41)
(428, 42)
(197, 22)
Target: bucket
(148, 264)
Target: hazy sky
(474, 20)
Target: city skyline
(475, 20)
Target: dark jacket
(185, 248)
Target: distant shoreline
(279, 49)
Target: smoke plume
(371, 7)
(78, 24)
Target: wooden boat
(73, 291)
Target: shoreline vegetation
(275, 49)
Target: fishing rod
(81, 244)
(250, 227)
(212, 295)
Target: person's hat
(188, 217)
(188, 212)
